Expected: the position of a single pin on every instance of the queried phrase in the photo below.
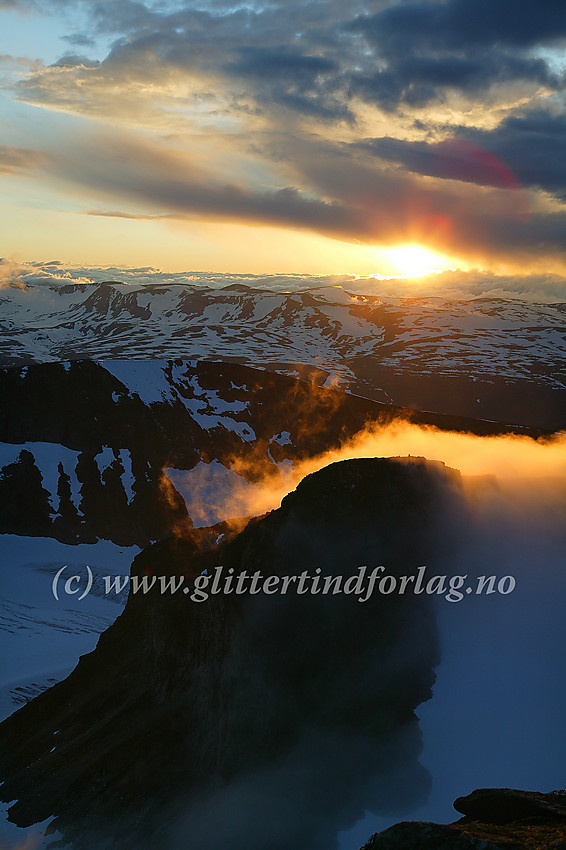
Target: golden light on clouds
(390, 142)
(518, 464)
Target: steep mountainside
(248, 721)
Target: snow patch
(40, 635)
(127, 476)
(283, 438)
(41, 639)
(104, 459)
(207, 407)
(144, 378)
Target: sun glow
(416, 261)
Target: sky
(306, 136)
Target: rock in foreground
(496, 819)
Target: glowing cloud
(515, 461)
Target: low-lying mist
(496, 718)
(214, 493)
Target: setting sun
(416, 261)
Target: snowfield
(41, 639)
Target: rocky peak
(274, 720)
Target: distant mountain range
(487, 358)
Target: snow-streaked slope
(161, 381)
(146, 379)
(41, 638)
(113, 426)
(49, 457)
(327, 327)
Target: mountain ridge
(480, 358)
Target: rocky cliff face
(495, 819)
(248, 721)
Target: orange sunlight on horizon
(414, 260)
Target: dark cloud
(417, 80)
(426, 48)
(308, 56)
(74, 60)
(305, 83)
(464, 24)
(532, 147)
(284, 63)
(129, 215)
(336, 195)
(79, 39)
(122, 168)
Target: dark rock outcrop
(248, 721)
(505, 805)
(496, 819)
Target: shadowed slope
(255, 720)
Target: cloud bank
(368, 122)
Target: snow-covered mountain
(487, 358)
